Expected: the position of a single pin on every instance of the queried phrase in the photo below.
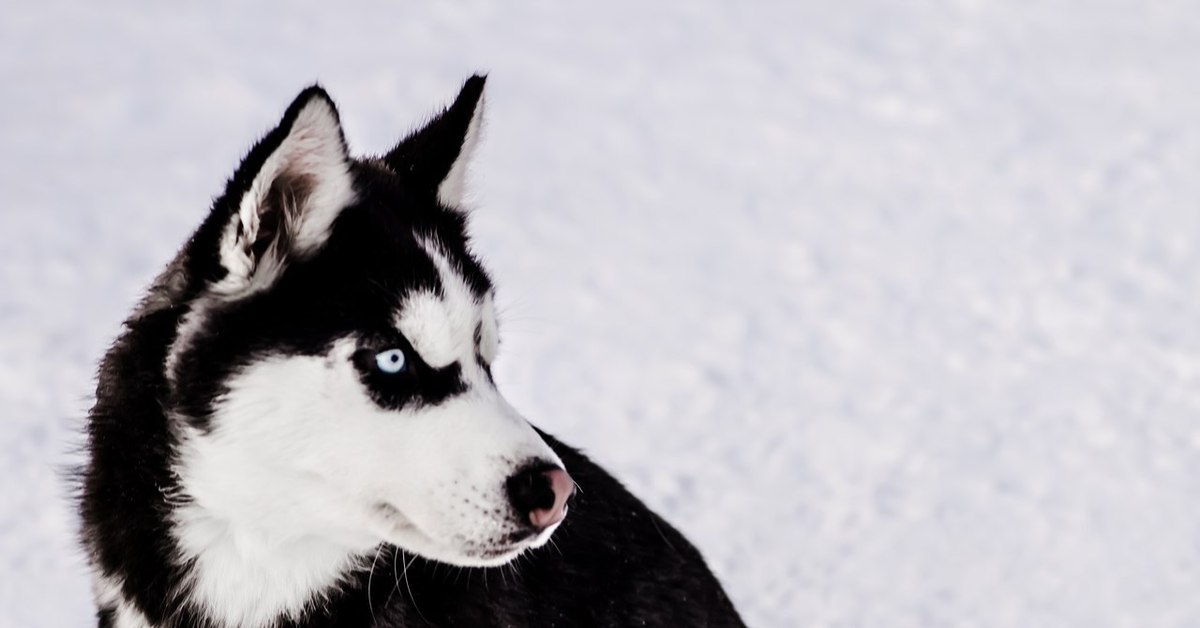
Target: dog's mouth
(482, 554)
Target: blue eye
(390, 361)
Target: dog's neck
(245, 576)
(239, 576)
(165, 555)
(249, 560)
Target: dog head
(331, 377)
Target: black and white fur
(250, 465)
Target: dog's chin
(399, 530)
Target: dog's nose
(540, 492)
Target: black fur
(611, 563)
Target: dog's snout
(540, 493)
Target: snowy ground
(894, 308)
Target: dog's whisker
(395, 576)
(370, 577)
(408, 586)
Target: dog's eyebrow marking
(441, 327)
(434, 328)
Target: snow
(891, 307)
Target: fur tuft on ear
(295, 195)
(435, 157)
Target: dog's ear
(435, 157)
(282, 201)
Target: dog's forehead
(441, 324)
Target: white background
(893, 308)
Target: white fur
(106, 590)
(452, 189)
(108, 595)
(128, 616)
(313, 150)
(190, 325)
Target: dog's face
(331, 378)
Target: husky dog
(299, 426)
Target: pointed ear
(292, 186)
(435, 157)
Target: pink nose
(562, 485)
(539, 493)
